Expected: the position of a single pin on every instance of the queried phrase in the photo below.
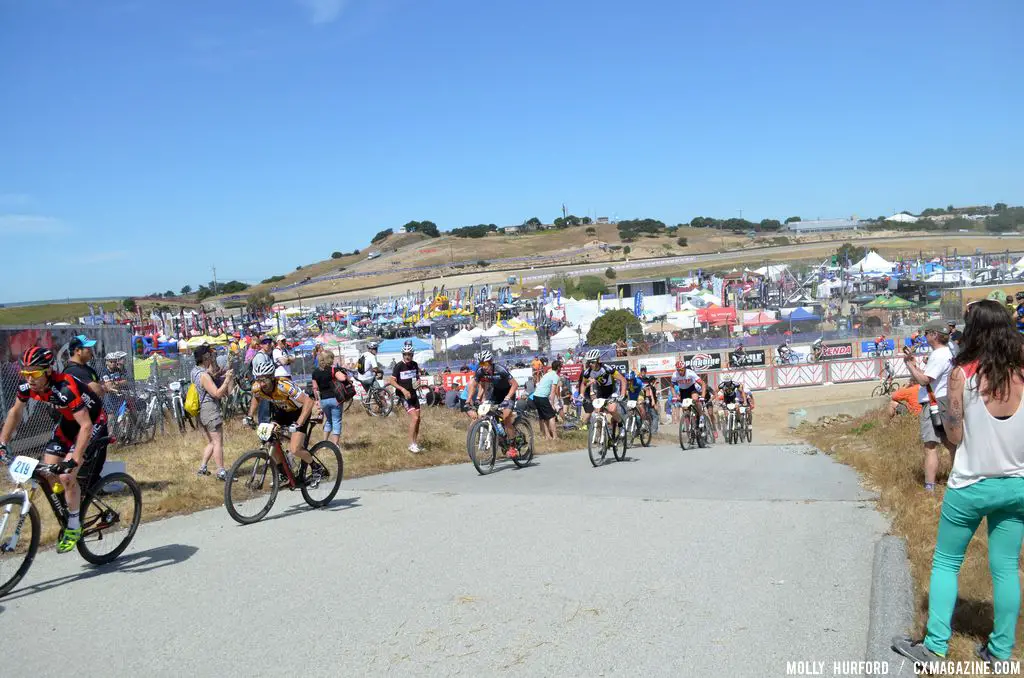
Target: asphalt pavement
(730, 561)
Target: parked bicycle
(638, 427)
(110, 513)
(487, 437)
(253, 481)
(237, 401)
(181, 417)
(378, 400)
(604, 435)
(694, 430)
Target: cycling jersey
(604, 375)
(500, 381)
(733, 394)
(285, 396)
(1020, 317)
(635, 387)
(688, 379)
(67, 395)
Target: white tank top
(991, 448)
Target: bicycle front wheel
(645, 431)
(111, 513)
(684, 430)
(878, 391)
(482, 445)
(597, 441)
(250, 489)
(320, 485)
(16, 556)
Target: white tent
(565, 339)
(873, 263)
(494, 330)
(902, 218)
(1019, 265)
(475, 333)
(949, 277)
(772, 272)
(461, 338)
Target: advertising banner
(658, 366)
(755, 358)
(700, 362)
(836, 351)
(572, 371)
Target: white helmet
(116, 355)
(372, 346)
(263, 369)
(593, 354)
(485, 357)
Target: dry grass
(37, 315)
(166, 468)
(889, 456)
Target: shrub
(483, 263)
(336, 255)
(613, 326)
(591, 231)
(681, 242)
(609, 272)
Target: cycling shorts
(286, 418)
(689, 392)
(61, 445)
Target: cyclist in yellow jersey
(290, 408)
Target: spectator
(905, 398)
(955, 337)
(263, 355)
(933, 378)
(984, 419)
(283, 358)
(210, 417)
(546, 392)
(81, 353)
(326, 392)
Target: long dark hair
(991, 339)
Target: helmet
(38, 356)
(372, 346)
(116, 355)
(593, 354)
(632, 375)
(817, 342)
(407, 348)
(680, 364)
(263, 369)
(485, 357)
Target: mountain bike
(254, 480)
(887, 387)
(181, 417)
(600, 438)
(378, 399)
(487, 436)
(637, 426)
(237, 401)
(110, 513)
(693, 429)
(737, 424)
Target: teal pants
(1001, 500)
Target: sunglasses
(34, 374)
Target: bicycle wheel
(878, 391)
(645, 431)
(597, 441)
(179, 415)
(701, 431)
(250, 489)
(111, 513)
(730, 428)
(348, 404)
(15, 560)
(749, 427)
(482, 445)
(523, 442)
(318, 489)
(619, 446)
(684, 430)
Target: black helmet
(38, 357)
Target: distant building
(648, 287)
(824, 225)
(602, 220)
(400, 229)
(514, 229)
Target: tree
(478, 231)
(258, 302)
(613, 326)
(591, 231)
(770, 225)
(609, 273)
(381, 235)
(790, 220)
(532, 221)
(336, 255)
(851, 252)
(129, 304)
(187, 289)
(483, 262)
(682, 242)
(168, 293)
(586, 221)
(999, 207)
(626, 250)
(272, 279)
(630, 228)
(428, 228)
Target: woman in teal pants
(986, 422)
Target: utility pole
(215, 279)
(563, 210)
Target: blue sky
(143, 141)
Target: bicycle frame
(57, 503)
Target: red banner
(455, 380)
(572, 371)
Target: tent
(717, 315)
(772, 272)
(902, 218)
(802, 314)
(760, 320)
(396, 345)
(892, 303)
(565, 339)
(873, 263)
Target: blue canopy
(802, 314)
(396, 345)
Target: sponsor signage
(868, 346)
(700, 362)
(658, 366)
(572, 371)
(747, 359)
(621, 365)
(455, 381)
(836, 351)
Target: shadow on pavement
(138, 562)
(334, 506)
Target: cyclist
(731, 392)
(82, 420)
(652, 395)
(785, 353)
(290, 408)
(503, 388)
(406, 379)
(637, 389)
(602, 381)
(367, 366)
(1020, 311)
(708, 395)
(686, 382)
(880, 345)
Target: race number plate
(21, 469)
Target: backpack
(192, 401)
(361, 365)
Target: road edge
(891, 609)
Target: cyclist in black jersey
(601, 381)
(502, 384)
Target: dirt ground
(772, 408)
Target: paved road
(721, 562)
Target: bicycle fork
(26, 506)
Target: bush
(382, 235)
(626, 250)
(591, 231)
(478, 231)
(682, 242)
(336, 255)
(298, 268)
(609, 272)
(272, 279)
(483, 263)
(613, 326)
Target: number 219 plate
(22, 468)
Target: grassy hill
(56, 313)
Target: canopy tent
(957, 277)
(802, 314)
(461, 338)
(933, 306)
(396, 345)
(873, 262)
(686, 320)
(773, 272)
(565, 339)
(890, 303)
(717, 315)
(761, 319)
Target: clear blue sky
(143, 141)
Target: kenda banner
(835, 351)
(747, 359)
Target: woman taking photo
(210, 416)
(986, 424)
(326, 390)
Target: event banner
(658, 366)
(455, 380)
(836, 351)
(572, 371)
(699, 362)
(621, 365)
(747, 359)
